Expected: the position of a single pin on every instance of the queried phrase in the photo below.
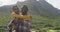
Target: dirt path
(31, 31)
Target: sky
(55, 3)
(9, 2)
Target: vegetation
(38, 23)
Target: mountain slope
(41, 8)
(44, 8)
(49, 7)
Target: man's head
(24, 10)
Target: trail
(31, 31)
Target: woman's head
(24, 10)
(15, 9)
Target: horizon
(54, 3)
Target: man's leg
(26, 26)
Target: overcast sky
(9, 2)
(55, 3)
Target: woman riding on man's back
(18, 18)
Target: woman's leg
(9, 27)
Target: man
(26, 23)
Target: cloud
(9, 2)
(55, 3)
(21, 0)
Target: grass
(37, 23)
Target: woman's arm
(23, 17)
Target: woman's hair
(15, 8)
(24, 10)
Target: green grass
(4, 20)
(38, 22)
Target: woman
(15, 12)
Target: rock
(1, 26)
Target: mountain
(5, 10)
(41, 8)
(49, 7)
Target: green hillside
(37, 23)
